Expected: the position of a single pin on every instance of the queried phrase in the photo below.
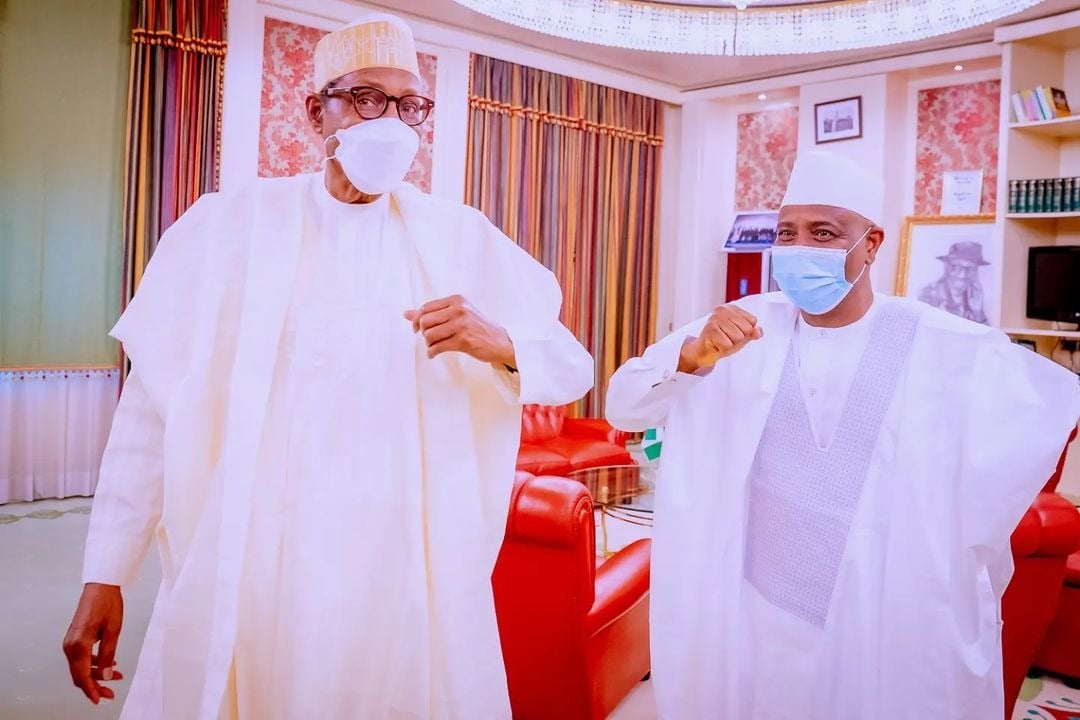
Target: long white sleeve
(553, 368)
(644, 390)
(127, 504)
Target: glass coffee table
(622, 492)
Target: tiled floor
(40, 558)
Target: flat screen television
(1053, 284)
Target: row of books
(1042, 103)
(1045, 195)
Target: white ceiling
(691, 72)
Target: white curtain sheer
(53, 428)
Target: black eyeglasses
(370, 103)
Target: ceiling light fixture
(762, 96)
(727, 29)
(958, 68)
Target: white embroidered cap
(376, 40)
(827, 178)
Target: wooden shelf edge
(1043, 215)
(1038, 124)
(1029, 332)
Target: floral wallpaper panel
(287, 144)
(957, 129)
(765, 153)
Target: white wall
(666, 280)
(706, 177)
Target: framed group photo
(838, 120)
(753, 230)
(950, 262)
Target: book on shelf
(1057, 100)
(1040, 104)
(1044, 195)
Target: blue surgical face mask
(814, 278)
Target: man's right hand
(97, 620)
(727, 331)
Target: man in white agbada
(320, 431)
(840, 477)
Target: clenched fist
(727, 331)
(452, 324)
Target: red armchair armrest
(594, 429)
(1049, 528)
(1060, 522)
(621, 582)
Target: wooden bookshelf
(1039, 52)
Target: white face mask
(376, 154)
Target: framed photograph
(838, 120)
(950, 262)
(753, 231)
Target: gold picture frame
(952, 262)
(903, 266)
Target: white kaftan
(860, 577)
(332, 501)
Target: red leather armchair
(1059, 653)
(575, 637)
(553, 444)
(1047, 534)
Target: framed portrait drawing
(951, 262)
(838, 120)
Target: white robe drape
(913, 627)
(206, 332)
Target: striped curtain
(173, 122)
(571, 171)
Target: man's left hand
(452, 324)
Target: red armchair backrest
(1052, 483)
(541, 422)
(544, 585)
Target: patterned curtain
(571, 171)
(174, 120)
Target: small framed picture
(838, 120)
(753, 230)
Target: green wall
(63, 87)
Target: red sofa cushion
(589, 454)
(542, 460)
(540, 423)
(552, 444)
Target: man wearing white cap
(320, 430)
(840, 477)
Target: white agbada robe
(333, 501)
(872, 589)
